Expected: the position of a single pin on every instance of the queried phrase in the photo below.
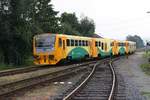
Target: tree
(69, 23)
(19, 21)
(44, 17)
(137, 39)
(86, 26)
(14, 32)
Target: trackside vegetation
(20, 20)
(146, 66)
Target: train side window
(86, 43)
(60, 42)
(80, 44)
(99, 43)
(76, 42)
(83, 43)
(68, 42)
(72, 42)
(119, 44)
(102, 45)
(96, 44)
(112, 44)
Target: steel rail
(114, 81)
(13, 86)
(77, 88)
(70, 95)
(32, 68)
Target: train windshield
(45, 41)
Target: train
(50, 49)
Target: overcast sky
(113, 18)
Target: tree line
(20, 20)
(137, 39)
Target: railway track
(98, 85)
(10, 88)
(21, 70)
(33, 68)
(6, 89)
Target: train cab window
(83, 43)
(99, 43)
(102, 46)
(68, 42)
(60, 42)
(72, 42)
(76, 42)
(80, 43)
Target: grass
(146, 54)
(27, 63)
(146, 68)
(147, 94)
(5, 67)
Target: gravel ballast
(137, 82)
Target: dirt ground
(138, 83)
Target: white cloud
(113, 18)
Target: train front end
(44, 49)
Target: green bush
(146, 68)
(147, 54)
(5, 66)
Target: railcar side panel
(53, 48)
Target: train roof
(82, 37)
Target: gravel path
(137, 83)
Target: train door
(60, 48)
(90, 47)
(105, 47)
(113, 47)
(116, 47)
(127, 47)
(93, 48)
(64, 47)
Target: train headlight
(36, 57)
